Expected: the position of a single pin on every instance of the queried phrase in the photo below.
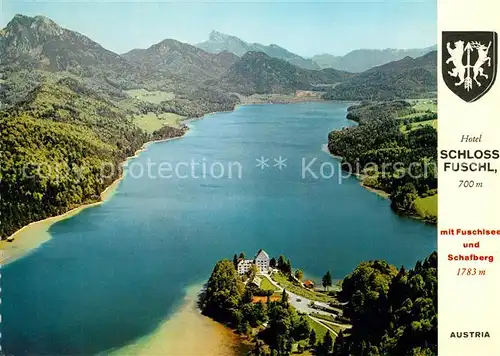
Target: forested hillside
(61, 146)
(406, 78)
(256, 72)
(67, 118)
(392, 313)
(401, 163)
(172, 58)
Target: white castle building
(261, 261)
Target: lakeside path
(33, 235)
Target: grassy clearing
(151, 122)
(172, 119)
(283, 281)
(427, 206)
(331, 322)
(154, 97)
(323, 316)
(320, 330)
(424, 105)
(421, 106)
(334, 327)
(415, 125)
(267, 285)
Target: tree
(327, 344)
(272, 262)
(287, 268)
(260, 312)
(242, 255)
(301, 329)
(404, 197)
(247, 296)
(223, 293)
(252, 272)
(235, 261)
(339, 343)
(392, 312)
(280, 325)
(299, 274)
(327, 280)
(244, 328)
(257, 351)
(281, 262)
(312, 338)
(284, 298)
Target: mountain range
(363, 59)
(219, 42)
(256, 72)
(37, 46)
(355, 61)
(175, 58)
(406, 78)
(39, 43)
(67, 102)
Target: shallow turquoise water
(112, 273)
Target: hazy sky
(306, 28)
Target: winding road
(299, 302)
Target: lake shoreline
(359, 177)
(165, 323)
(186, 331)
(35, 234)
(381, 193)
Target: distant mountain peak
(255, 54)
(220, 37)
(360, 60)
(38, 42)
(218, 42)
(26, 28)
(38, 20)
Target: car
(299, 300)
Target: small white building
(244, 266)
(261, 261)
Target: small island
(376, 310)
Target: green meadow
(151, 122)
(154, 97)
(427, 206)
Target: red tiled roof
(256, 299)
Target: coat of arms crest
(469, 61)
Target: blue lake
(112, 273)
